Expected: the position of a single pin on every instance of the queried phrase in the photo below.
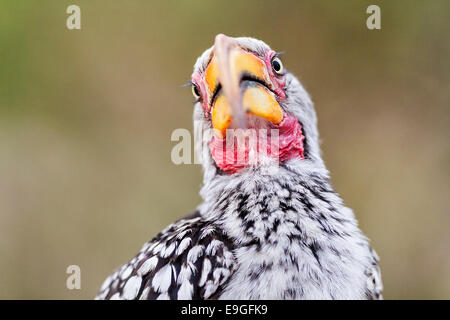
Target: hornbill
(271, 225)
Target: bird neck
(264, 205)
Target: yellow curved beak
(228, 66)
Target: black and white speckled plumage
(268, 232)
(190, 259)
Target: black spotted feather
(190, 259)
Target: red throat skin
(232, 156)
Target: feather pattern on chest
(292, 234)
(263, 236)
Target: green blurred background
(86, 118)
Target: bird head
(250, 112)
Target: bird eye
(277, 65)
(195, 92)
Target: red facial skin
(278, 81)
(235, 156)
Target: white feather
(162, 279)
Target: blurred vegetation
(86, 118)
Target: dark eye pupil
(276, 65)
(196, 91)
